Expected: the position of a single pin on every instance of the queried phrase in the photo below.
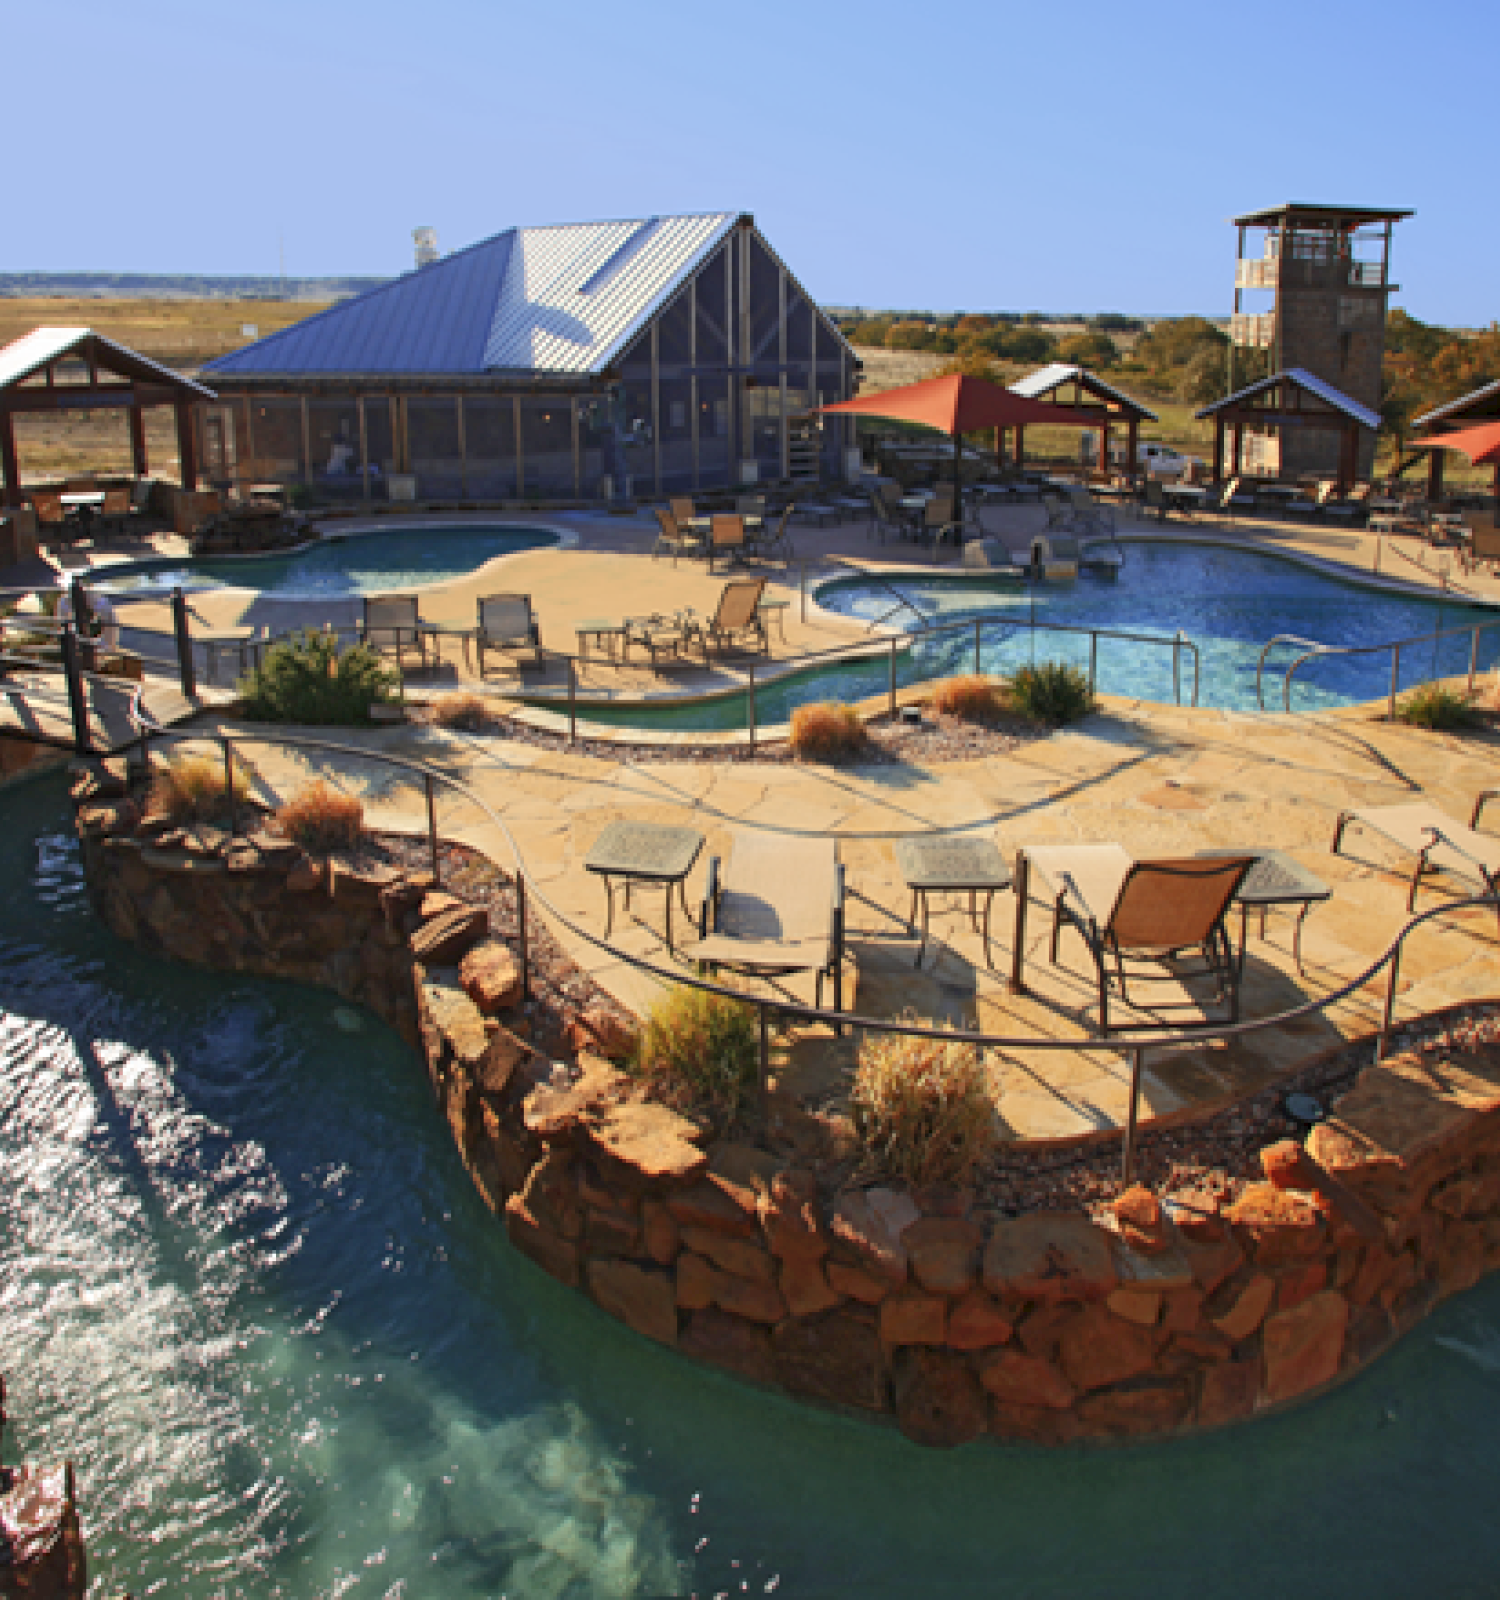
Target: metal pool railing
(530, 894)
(1312, 650)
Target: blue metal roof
(562, 299)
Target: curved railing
(1132, 1044)
(1314, 651)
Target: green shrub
(1053, 693)
(700, 1050)
(1434, 706)
(922, 1108)
(827, 731)
(308, 680)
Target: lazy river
(388, 560)
(1228, 602)
(246, 1285)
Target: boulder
(660, 1232)
(1303, 1346)
(910, 1317)
(1142, 1306)
(438, 903)
(756, 1302)
(1144, 1405)
(805, 1287)
(836, 1358)
(858, 1284)
(1296, 1284)
(1279, 1225)
(1141, 1220)
(1288, 1166)
(1227, 1392)
(696, 1281)
(1246, 1309)
(642, 1297)
(554, 1114)
(650, 1143)
(601, 1029)
(790, 1217)
(870, 1224)
(1052, 1256)
(976, 1322)
(712, 1204)
(939, 1401)
(1098, 1348)
(446, 939)
(1035, 1424)
(741, 1257)
(944, 1253)
(491, 977)
(1212, 1264)
(551, 1253)
(1022, 1380)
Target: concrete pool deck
(1158, 780)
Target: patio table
(656, 634)
(438, 631)
(644, 852)
(944, 864)
(605, 633)
(1276, 879)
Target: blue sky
(974, 155)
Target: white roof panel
(27, 355)
(1304, 380)
(1438, 413)
(1045, 379)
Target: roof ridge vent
(619, 255)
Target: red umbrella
(956, 405)
(1480, 444)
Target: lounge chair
(1154, 498)
(726, 537)
(776, 908)
(1132, 912)
(672, 538)
(1438, 842)
(1086, 514)
(775, 544)
(881, 520)
(506, 623)
(390, 622)
(736, 619)
(682, 509)
(989, 554)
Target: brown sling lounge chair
(1132, 914)
(1438, 842)
(737, 619)
(776, 908)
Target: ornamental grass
(194, 789)
(827, 731)
(1437, 707)
(469, 712)
(971, 698)
(922, 1108)
(321, 819)
(699, 1051)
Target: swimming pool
(346, 564)
(1228, 602)
(250, 1290)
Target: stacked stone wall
(1166, 1313)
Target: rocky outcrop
(1160, 1314)
(41, 1544)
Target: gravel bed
(1218, 1154)
(934, 740)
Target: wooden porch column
(187, 464)
(1000, 446)
(1218, 448)
(137, 441)
(1435, 474)
(8, 459)
(1104, 449)
(1348, 457)
(1132, 440)
(1238, 436)
(1020, 445)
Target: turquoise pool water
(366, 563)
(1228, 602)
(247, 1287)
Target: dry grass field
(182, 334)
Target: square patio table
(943, 864)
(438, 631)
(1276, 879)
(644, 852)
(657, 635)
(603, 631)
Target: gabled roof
(1045, 379)
(35, 351)
(563, 299)
(1300, 378)
(1457, 408)
(1328, 216)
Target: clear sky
(974, 155)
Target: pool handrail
(1135, 1045)
(1318, 652)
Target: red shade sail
(1479, 444)
(955, 405)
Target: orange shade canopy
(1480, 443)
(955, 405)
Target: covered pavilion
(1288, 400)
(1479, 406)
(1087, 401)
(71, 369)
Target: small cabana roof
(1480, 443)
(1047, 380)
(1296, 378)
(36, 352)
(1483, 402)
(954, 404)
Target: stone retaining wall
(1168, 1313)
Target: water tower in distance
(426, 242)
